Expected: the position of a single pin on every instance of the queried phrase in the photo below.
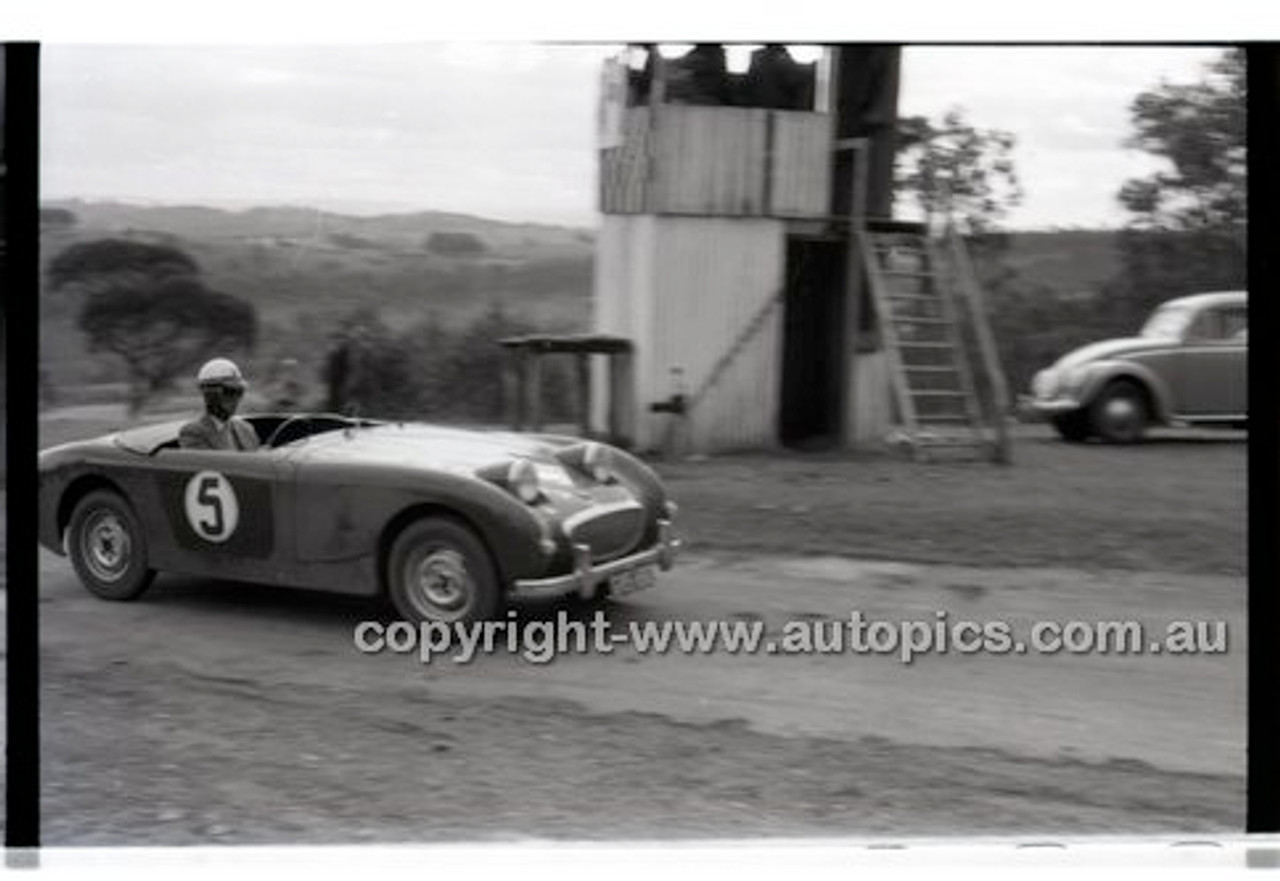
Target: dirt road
(213, 712)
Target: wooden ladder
(913, 291)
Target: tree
(1198, 131)
(1186, 231)
(57, 218)
(956, 172)
(104, 261)
(164, 329)
(146, 304)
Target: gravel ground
(1175, 504)
(213, 713)
(139, 755)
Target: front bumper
(586, 576)
(1053, 406)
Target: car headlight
(598, 463)
(1044, 384)
(522, 478)
(1073, 379)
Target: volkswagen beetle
(1186, 366)
(448, 523)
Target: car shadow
(210, 596)
(1173, 438)
(269, 603)
(1224, 438)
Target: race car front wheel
(439, 570)
(108, 548)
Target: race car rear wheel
(439, 570)
(108, 547)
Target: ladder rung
(922, 345)
(906, 273)
(932, 298)
(929, 368)
(940, 417)
(950, 442)
(911, 319)
(937, 393)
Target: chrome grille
(609, 530)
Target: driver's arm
(193, 436)
(246, 434)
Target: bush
(430, 372)
(354, 242)
(455, 244)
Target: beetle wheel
(1073, 427)
(1120, 413)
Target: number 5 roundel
(212, 509)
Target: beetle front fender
(1103, 372)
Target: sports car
(448, 523)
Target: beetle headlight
(1045, 384)
(1073, 379)
(522, 478)
(597, 462)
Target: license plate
(632, 580)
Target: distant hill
(388, 231)
(306, 268)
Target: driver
(219, 428)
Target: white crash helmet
(220, 372)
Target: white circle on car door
(211, 505)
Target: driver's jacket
(211, 433)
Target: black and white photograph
(475, 442)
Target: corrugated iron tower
(731, 250)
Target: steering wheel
(275, 435)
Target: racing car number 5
(211, 505)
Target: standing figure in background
(347, 372)
(336, 368)
(777, 81)
(639, 81)
(288, 388)
(700, 77)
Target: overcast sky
(508, 130)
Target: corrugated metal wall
(687, 278)
(709, 160)
(712, 278)
(870, 412)
(800, 164)
(684, 289)
(623, 269)
(624, 170)
(719, 160)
